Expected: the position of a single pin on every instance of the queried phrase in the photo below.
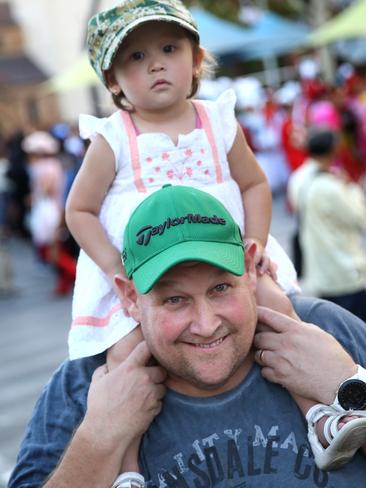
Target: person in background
(6, 272)
(47, 207)
(332, 215)
(46, 180)
(18, 174)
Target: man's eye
(173, 300)
(169, 48)
(221, 287)
(137, 56)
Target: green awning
(348, 24)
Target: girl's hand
(261, 259)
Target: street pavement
(34, 326)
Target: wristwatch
(351, 394)
(129, 480)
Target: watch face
(352, 395)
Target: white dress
(144, 162)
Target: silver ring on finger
(261, 354)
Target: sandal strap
(331, 424)
(316, 412)
(330, 427)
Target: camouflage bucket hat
(107, 29)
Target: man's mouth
(210, 345)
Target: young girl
(147, 54)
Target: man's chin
(199, 384)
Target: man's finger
(157, 374)
(277, 321)
(268, 340)
(139, 356)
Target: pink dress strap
(202, 113)
(134, 150)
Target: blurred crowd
(38, 168)
(276, 121)
(36, 172)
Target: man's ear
(128, 296)
(250, 268)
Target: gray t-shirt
(252, 436)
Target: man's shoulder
(73, 377)
(348, 329)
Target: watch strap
(359, 375)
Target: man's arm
(304, 358)
(120, 407)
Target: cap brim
(229, 257)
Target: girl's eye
(137, 56)
(169, 48)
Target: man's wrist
(107, 444)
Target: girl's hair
(207, 69)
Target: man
(222, 424)
(332, 218)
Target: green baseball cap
(107, 29)
(177, 224)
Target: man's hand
(123, 402)
(301, 357)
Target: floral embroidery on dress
(165, 156)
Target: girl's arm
(255, 191)
(84, 202)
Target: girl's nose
(156, 64)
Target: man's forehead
(182, 271)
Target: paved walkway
(34, 327)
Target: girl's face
(154, 67)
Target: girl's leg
(270, 295)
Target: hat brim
(229, 257)
(122, 34)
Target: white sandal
(343, 443)
(129, 480)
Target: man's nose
(205, 319)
